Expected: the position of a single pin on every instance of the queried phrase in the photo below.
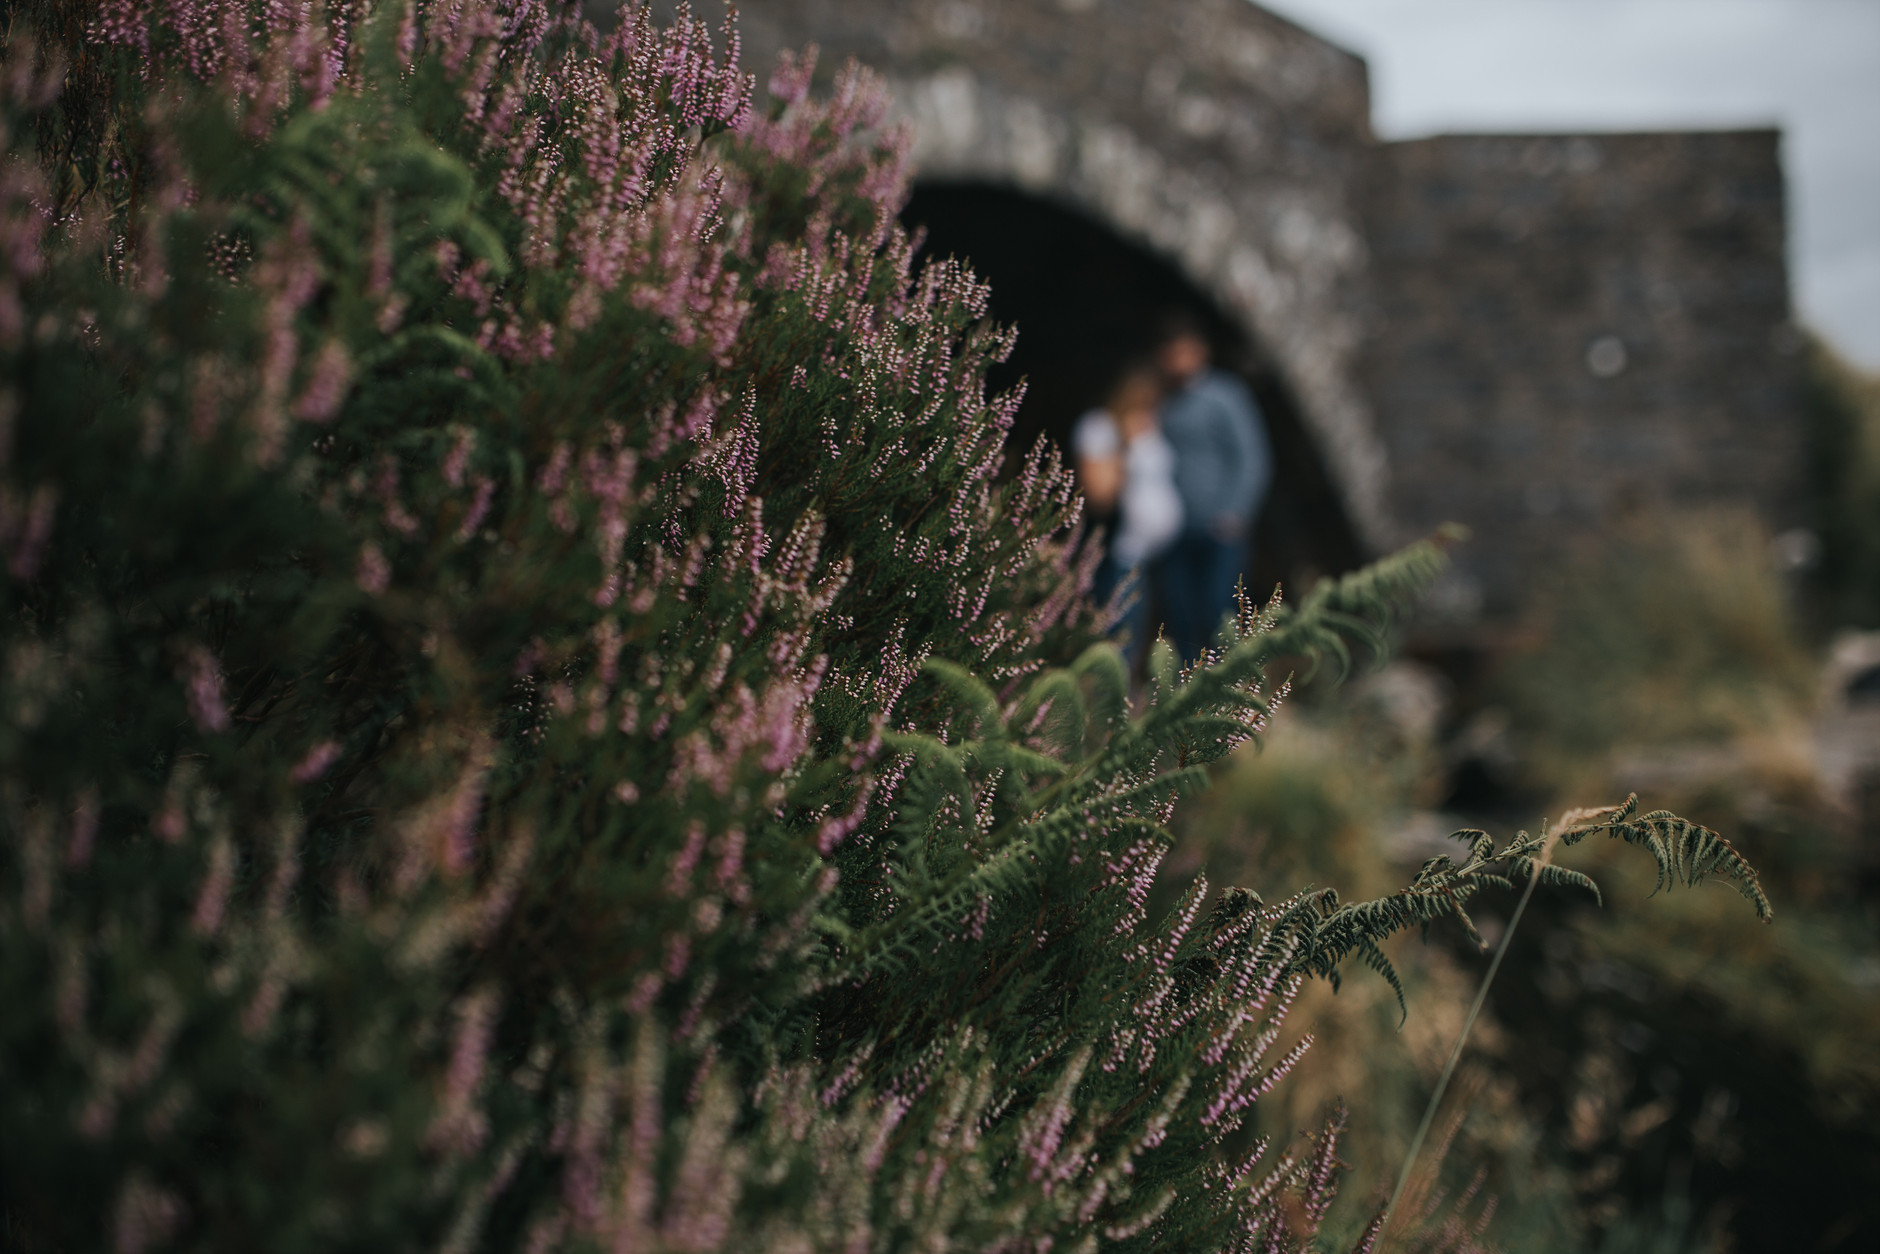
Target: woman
(1127, 469)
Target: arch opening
(1086, 302)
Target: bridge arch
(1086, 301)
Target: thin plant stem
(1462, 1038)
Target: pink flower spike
(375, 573)
(315, 764)
(204, 692)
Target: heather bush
(535, 715)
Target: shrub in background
(530, 718)
(1661, 1013)
(1669, 629)
(1637, 1059)
(1843, 406)
(1339, 792)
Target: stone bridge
(1533, 335)
(1221, 137)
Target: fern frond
(1193, 718)
(1361, 605)
(1186, 780)
(1374, 958)
(1006, 755)
(1685, 852)
(1481, 844)
(1054, 705)
(1566, 877)
(1164, 668)
(944, 761)
(1102, 665)
(907, 935)
(971, 692)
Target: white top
(1149, 510)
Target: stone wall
(1570, 327)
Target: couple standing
(1179, 456)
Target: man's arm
(1247, 459)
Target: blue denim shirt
(1223, 464)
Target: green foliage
(530, 717)
(1334, 796)
(398, 718)
(1141, 765)
(1674, 629)
(1844, 418)
(1683, 851)
(1612, 1068)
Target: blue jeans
(1197, 577)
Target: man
(1223, 467)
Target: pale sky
(1811, 67)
